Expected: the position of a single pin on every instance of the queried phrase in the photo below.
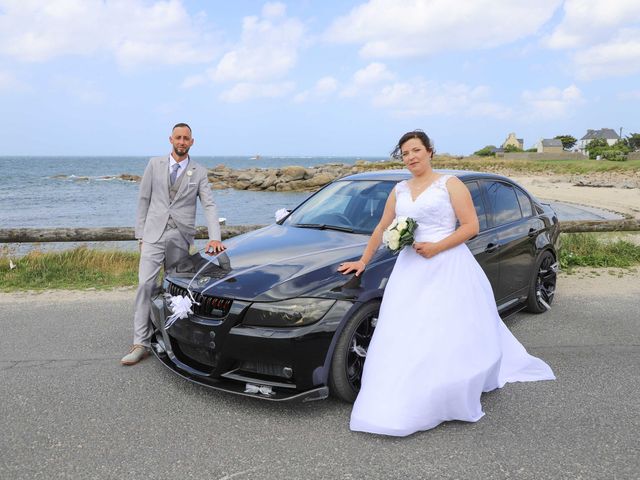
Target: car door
(484, 246)
(516, 246)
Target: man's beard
(181, 152)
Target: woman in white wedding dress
(439, 341)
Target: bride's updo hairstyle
(420, 135)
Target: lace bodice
(432, 209)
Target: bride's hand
(348, 267)
(426, 249)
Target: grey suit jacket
(155, 206)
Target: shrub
(488, 151)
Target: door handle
(492, 247)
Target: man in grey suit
(165, 226)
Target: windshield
(346, 205)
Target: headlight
(288, 313)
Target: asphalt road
(69, 410)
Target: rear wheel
(542, 287)
(351, 351)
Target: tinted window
(478, 202)
(357, 205)
(525, 203)
(504, 203)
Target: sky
(312, 77)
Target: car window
(337, 203)
(503, 202)
(525, 203)
(478, 202)
(357, 205)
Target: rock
(269, 182)
(241, 185)
(257, 180)
(283, 187)
(319, 180)
(127, 177)
(244, 176)
(294, 172)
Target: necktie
(174, 173)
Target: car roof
(398, 175)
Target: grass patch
(587, 250)
(70, 269)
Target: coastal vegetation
(77, 268)
(536, 166)
(82, 268)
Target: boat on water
(255, 157)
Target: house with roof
(550, 145)
(513, 141)
(609, 134)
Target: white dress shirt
(182, 166)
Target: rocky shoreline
(300, 179)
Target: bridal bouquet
(399, 234)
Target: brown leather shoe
(137, 353)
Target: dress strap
(401, 186)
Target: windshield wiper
(323, 226)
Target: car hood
(273, 263)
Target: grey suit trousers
(167, 251)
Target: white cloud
(134, 32)
(322, 89)
(366, 78)
(244, 91)
(619, 56)
(268, 48)
(552, 102)
(588, 22)
(422, 98)
(601, 35)
(397, 28)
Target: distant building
(549, 145)
(609, 134)
(513, 141)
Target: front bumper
(277, 364)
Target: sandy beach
(610, 192)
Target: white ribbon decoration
(263, 389)
(181, 308)
(281, 213)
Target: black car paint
(218, 351)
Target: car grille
(208, 306)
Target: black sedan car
(273, 318)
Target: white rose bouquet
(399, 234)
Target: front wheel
(542, 287)
(350, 353)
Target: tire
(542, 287)
(347, 361)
